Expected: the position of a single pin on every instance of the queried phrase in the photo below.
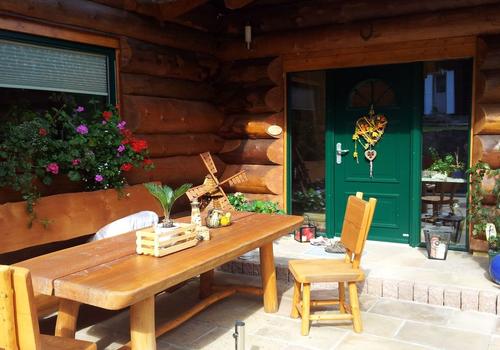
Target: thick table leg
(66, 318)
(206, 281)
(142, 325)
(268, 273)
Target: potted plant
(166, 197)
(441, 165)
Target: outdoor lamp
(306, 232)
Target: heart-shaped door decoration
(369, 130)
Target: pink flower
(104, 122)
(79, 109)
(52, 168)
(99, 178)
(82, 129)
(121, 125)
(75, 162)
(121, 148)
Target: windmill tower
(212, 188)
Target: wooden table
(108, 274)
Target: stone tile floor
(388, 324)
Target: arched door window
(372, 92)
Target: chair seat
(324, 270)
(50, 342)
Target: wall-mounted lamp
(248, 35)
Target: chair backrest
(357, 222)
(19, 328)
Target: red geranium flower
(107, 115)
(42, 132)
(126, 166)
(138, 145)
(147, 162)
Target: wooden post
(8, 319)
(142, 325)
(268, 273)
(353, 300)
(306, 308)
(206, 281)
(296, 300)
(342, 297)
(66, 318)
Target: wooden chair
(438, 194)
(357, 221)
(19, 328)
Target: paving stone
(421, 293)
(488, 302)
(187, 333)
(442, 337)
(412, 311)
(390, 289)
(452, 298)
(369, 342)
(436, 295)
(362, 287)
(282, 273)
(405, 290)
(494, 343)
(374, 286)
(470, 300)
(473, 321)
(376, 324)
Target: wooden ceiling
(228, 17)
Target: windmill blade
(209, 163)
(198, 191)
(222, 202)
(236, 178)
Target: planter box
(478, 245)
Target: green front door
(350, 93)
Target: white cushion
(128, 223)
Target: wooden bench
(70, 217)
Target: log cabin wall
(251, 95)
(165, 75)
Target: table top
(447, 179)
(109, 274)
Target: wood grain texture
(87, 14)
(465, 21)
(142, 324)
(263, 151)
(168, 145)
(8, 339)
(486, 148)
(154, 115)
(124, 280)
(265, 179)
(67, 316)
(268, 275)
(253, 126)
(71, 215)
(487, 119)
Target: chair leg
(296, 299)
(353, 300)
(342, 297)
(306, 308)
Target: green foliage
(312, 200)
(241, 203)
(445, 165)
(478, 214)
(166, 196)
(91, 146)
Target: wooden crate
(160, 244)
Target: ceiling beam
(174, 9)
(236, 4)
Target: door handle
(340, 152)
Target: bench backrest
(69, 216)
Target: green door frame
(416, 159)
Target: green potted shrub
(312, 202)
(166, 197)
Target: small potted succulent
(166, 196)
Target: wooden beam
(427, 26)
(173, 9)
(236, 4)
(106, 19)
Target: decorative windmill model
(212, 188)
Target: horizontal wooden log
(261, 178)
(260, 151)
(303, 14)
(253, 126)
(236, 4)
(275, 198)
(488, 86)
(167, 145)
(486, 148)
(457, 22)
(154, 115)
(99, 17)
(146, 85)
(491, 59)
(175, 171)
(70, 215)
(487, 187)
(262, 72)
(255, 99)
(487, 119)
(143, 58)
